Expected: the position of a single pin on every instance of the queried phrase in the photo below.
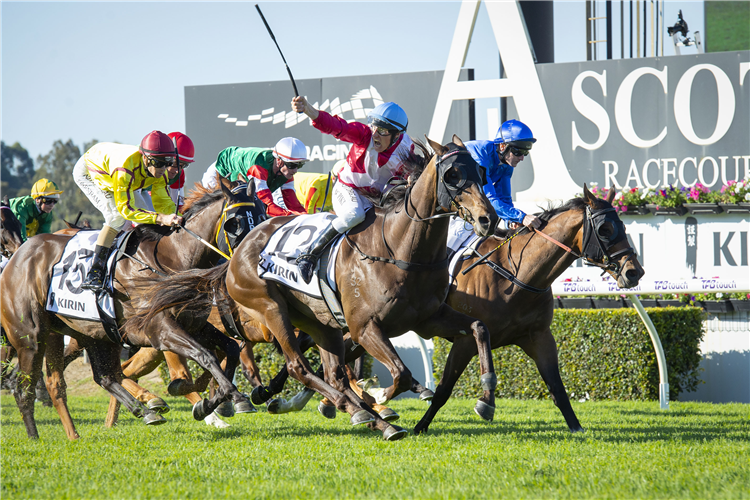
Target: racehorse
(517, 305)
(381, 297)
(11, 238)
(159, 250)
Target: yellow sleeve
(163, 203)
(124, 184)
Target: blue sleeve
(498, 192)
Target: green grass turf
(630, 450)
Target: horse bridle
(447, 192)
(234, 225)
(448, 189)
(595, 247)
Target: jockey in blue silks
(500, 157)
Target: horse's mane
(413, 166)
(198, 199)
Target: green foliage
(736, 192)
(57, 165)
(629, 450)
(727, 26)
(604, 354)
(669, 196)
(16, 171)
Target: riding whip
(296, 94)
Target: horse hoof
(426, 395)
(327, 411)
(214, 420)
(153, 418)
(244, 407)
(225, 409)
(199, 411)
(389, 415)
(175, 387)
(579, 430)
(274, 406)
(484, 410)
(362, 417)
(260, 395)
(158, 405)
(394, 433)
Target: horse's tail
(195, 288)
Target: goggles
(160, 162)
(519, 151)
(294, 165)
(184, 164)
(381, 131)
(48, 201)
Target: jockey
(35, 212)
(175, 173)
(109, 174)
(500, 157)
(270, 169)
(377, 154)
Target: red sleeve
(354, 132)
(291, 201)
(180, 181)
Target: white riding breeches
(103, 200)
(349, 207)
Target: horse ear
(436, 146)
(225, 188)
(251, 190)
(5, 201)
(458, 142)
(587, 196)
(611, 195)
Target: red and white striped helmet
(185, 147)
(290, 150)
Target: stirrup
(306, 265)
(94, 281)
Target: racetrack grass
(630, 450)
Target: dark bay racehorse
(160, 250)
(10, 239)
(391, 276)
(521, 313)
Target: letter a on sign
(551, 177)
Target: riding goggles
(160, 162)
(48, 201)
(295, 165)
(519, 151)
(184, 164)
(381, 131)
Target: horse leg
(280, 405)
(166, 334)
(543, 350)
(7, 369)
(72, 351)
(145, 361)
(105, 365)
(374, 341)
(56, 386)
(458, 359)
(30, 360)
(332, 357)
(448, 322)
(231, 348)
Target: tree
(57, 166)
(17, 170)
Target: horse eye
(452, 176)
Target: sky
(114, 71)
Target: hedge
(603, 353)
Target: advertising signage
(259, 114)
(652, 122)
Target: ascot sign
(622, 123)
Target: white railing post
(661, 360)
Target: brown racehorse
(381, 296)
(520, 313)
(11, 239)
(159, 249)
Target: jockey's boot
(95, 278)
(307, 260)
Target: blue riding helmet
(389, 115)
(515, 133)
